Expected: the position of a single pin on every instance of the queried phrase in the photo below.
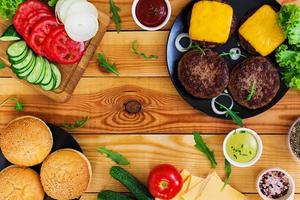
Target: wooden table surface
(161, 132)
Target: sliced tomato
(23, 10)
(31, 22)
(39, 32)
(48, 41)
(65, 50)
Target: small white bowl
(133, 10)
(251, 162)
(295, 157)
(291, 192)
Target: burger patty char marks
(255, 69)
(203, 75)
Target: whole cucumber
(112, 195)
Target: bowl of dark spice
(294, 140)
(275, 183)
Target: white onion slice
(63, 8)
(82, 7)
(81, 27)
(213, 104)
(178, 46)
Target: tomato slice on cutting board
(39, 33)
(24, 9)
(65, 50)
(48, 41)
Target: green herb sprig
(134, 49)
(228, 174)
(77, 124)
(251, 91)
(201, 146)
(111, 68)
(115, 14)
(224, 54)
(52, 3)
(196, 47)
(114, 156)
(18, 106)
(2, 65)
(234, 115)
(8, 8)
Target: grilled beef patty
(255, 69)
(203, 75)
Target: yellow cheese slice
(211, 21)
(184, 189)
(195, 180)
(194, 191)
(212, 190)
(185, 174)
(262, 31)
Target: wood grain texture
(146, 151)
(163, 110)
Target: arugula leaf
(115, 14)
(201, 146)
(197, 47)
(8, 8)
(234, 115)
(228, 174)
(111, 68)
(251, 91)
(134, 49)
(18, 106)
(2, 65)
(52, 3)
(114, 156)
(77, 124)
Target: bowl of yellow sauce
(242, 147)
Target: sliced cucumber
(10, 34)
(25, 62)
(17, 48)
(42, 75)
(18, 71)
(51, 84)
(34, 76)
(57, 75)
(48, 73)
(20, 58)
(23, 74)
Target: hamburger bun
(26, 141)
(259, 70)
(203, 75)
(66, 174)
(20, 183)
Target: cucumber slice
(10, 34)
(18, 71)
(48, 73)
(34, 76)
(25, 62)
(40, 79)
(25, 73)
(20, 58)
(17, 48)
(51, 84)
(57, 75)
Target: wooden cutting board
(71, 74)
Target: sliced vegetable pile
(36, 23)
(35, 69)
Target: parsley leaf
(251, 91)
(228, 173)
(115, 14)
(52, 3)
(114, 156)
(201, 146)
(111, 68)
(234, 115)
(19, 105)
(2, 65)
(77, 124)
(134, 49)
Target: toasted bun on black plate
(26, 141)
(211, 23)
(260, 32)
(66, 174)
(256, 70)
(20, 183)
(203, 74)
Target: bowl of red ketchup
(151, 15)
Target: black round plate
(241, 9)
(61, 140)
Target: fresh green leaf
(228, 173)
(2, 65)
(115, 14)
(52, 3)
(231, 53)
(251, 91)
(234, 116)
(111, 68)
(134, 49)
(8, 8)
(18, 106)
(77, 124)
(201, 146)
(114, 156)
(196, 47)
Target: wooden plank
(163, 110)
(146, 151)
